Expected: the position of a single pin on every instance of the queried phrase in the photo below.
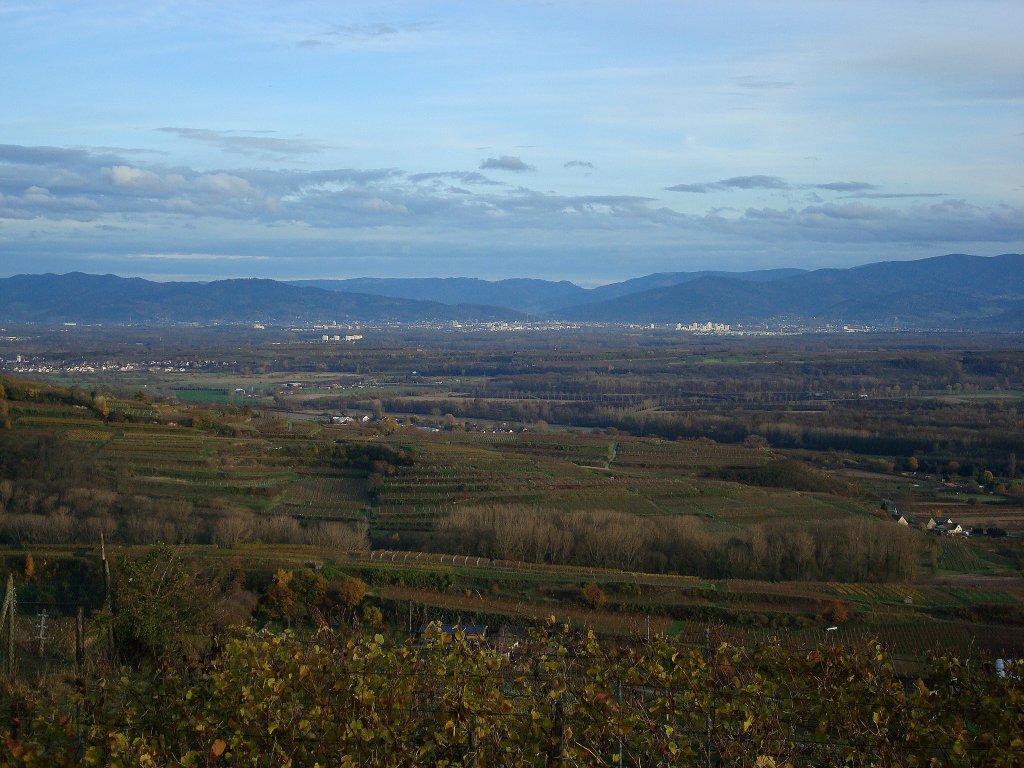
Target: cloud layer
(263, 146)
(119, 202)
(768, 182)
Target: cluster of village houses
(936, 525)
(349, 420)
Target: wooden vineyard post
(618, 701)
(474, 744)
(41, 638)
(707, 715)
(557, 747)
(108, 601)
(106, 569)
(7, 622)
(79, 641)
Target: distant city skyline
(590, 142)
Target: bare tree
(338, 535)
(234, 527)
(279, 529)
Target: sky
(587, 141)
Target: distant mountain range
(524, 294)
(951, 292)
(78, 297)
(955, 291)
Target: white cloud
(37, 195)
(226, 185)
(130, 177)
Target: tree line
(842, 550)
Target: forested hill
(77, 297)
(955, 291)
(525, 294)
(667, 279)
(952, 292)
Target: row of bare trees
(850, 550)
(80, 515)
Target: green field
(202, 395)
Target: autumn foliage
(558, 699)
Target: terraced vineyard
(921, 595)
(792, 614)
(49, 415)
(154, 452)
(479, 471)
(654, 454)
(909, 640)
(342, 497)
(958, 555)
(565, 471)
(163, 463)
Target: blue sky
(590, 141)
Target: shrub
(594, 596)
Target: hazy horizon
(590, 142)
(578, 283)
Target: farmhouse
(945, 525)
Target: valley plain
(767, 487)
